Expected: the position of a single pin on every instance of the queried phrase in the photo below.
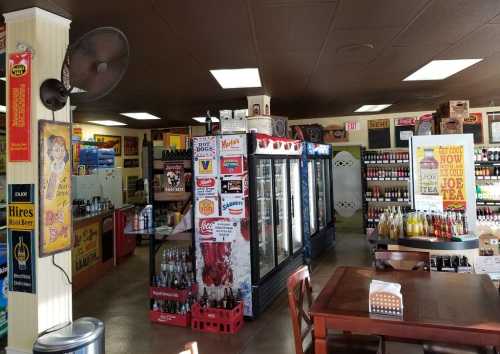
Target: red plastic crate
(170, 319)
(217, 320)
(161, 293)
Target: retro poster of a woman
(55, 187)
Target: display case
(317, 202)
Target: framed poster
(335, 134)
(55, 187)
(130, 145)
(473, 124)
(494, 126)
(174, 172)
(111, 141)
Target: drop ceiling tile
(292, 26)
(479, 44)
(376, 14)
(447, 21)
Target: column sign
(21, 223)
(19, 113)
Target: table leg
(319, 336)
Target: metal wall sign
(22, 277)
(21, 210)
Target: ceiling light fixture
(108, 123)
(203, 119)
(3, 79)
(3, 109)
(441, 69)
(237, 78)
(140, 115)
(372, 107)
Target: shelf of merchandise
(486, 202)
(487, 163)
(383, 181)
(487, 178)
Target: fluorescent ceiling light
(109, 123)
(372, 107)
(140, 115)
(237, 78)
(3, 79)
(441, 69)
(3, 109)
(203, 119)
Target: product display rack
(487, 173)
(177, 202)
(388, 160)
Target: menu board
(474, 125)
(379, 134)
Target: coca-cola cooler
(247, 210)
(125, 245)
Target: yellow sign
(440, 171)
(378, 124)
(86, 251)
(55, 187)
(21, 216)
(206, 166)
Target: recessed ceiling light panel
(108, 123)
(237, 78)
(372, 108)
(140, 115)
(441, 69)
(3, 109)
(203, 119)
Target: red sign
(19, 118)
(405, 121)
(231, 165)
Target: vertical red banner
(19, 110)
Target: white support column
(29, 314)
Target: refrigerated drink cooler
(317, 199)
(248, 221)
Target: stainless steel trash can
(85, 335)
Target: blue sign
(21, 261)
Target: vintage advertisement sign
(232, 145)
(86, 251)
(174, 177)
(55, 187)
(19, 114)
(230, 165)
(130, 145)
(205, 166)
(21, 193)
(440, 171)
(205, 146)
(21, 210)
(272, 145)
(207, 206)
(233, 206)
(233, 184)
(22, 277)
(206, 186)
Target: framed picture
(110, 141)
(130, 145)
(129, 163)
(494, 126)
(55, 216)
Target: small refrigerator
(317, 199)
(248, 224)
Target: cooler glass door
(265, 222)
(295, 211)
(281, 197)
(328, 183)
(321, 188)
(312, 196)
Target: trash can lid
(69, 336)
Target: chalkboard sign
(379, 134)
(404, 131)
(474, 125)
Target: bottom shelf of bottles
(217, 320)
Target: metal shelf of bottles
(383, 179)
(488, 202)
(385, 162)
(388, 200)
(487, 163)
(430, 244)
(488, 178)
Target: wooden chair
(299, 302)
(402, 260)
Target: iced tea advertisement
(55, 187)
(440, 171)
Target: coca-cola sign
(205, 182)
(206, 226)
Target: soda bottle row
(487, 171)
(173, 306)
(392, 193)
(373, 213)
(487, 154)
(488, 191)
(450, 263)
(142, 218)
(371, 225)
(382, 156)
(447, 224)
(391, 223)
(394, 172)
(220, 298)
(176, 269)
(488, 215)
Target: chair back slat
(300, 295)
(402, 260)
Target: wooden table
(441, 307)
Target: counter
(93, 248)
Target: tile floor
(120, 299)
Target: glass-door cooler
(276, 219)
(317, 208)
